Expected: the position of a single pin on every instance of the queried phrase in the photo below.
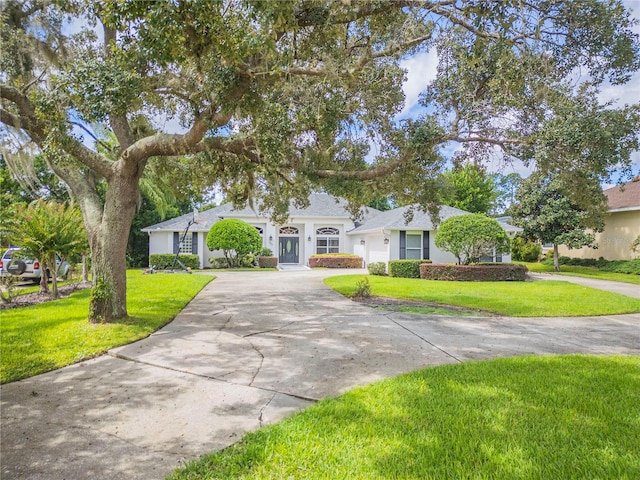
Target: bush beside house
(163, 261)
(406, 268)
(335, 260)
(489, 272)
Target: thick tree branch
(30, 124)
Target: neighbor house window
(261, 232)
(327, 240)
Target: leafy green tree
(469, 188)
(548, 214)
(472, 236)
(506, 187)
(525, 250)
(276, 99)
(235, 238)
(44, 229)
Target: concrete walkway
(627, 289)
(251, 348)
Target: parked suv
(12, 263)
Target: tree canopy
(547, 213)
(271, 100)
(469, 188)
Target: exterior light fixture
(362, 241)
(270, 238)
(386, 240)
(309, 238)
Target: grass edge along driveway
(51, 335)
(516, 299)
(545, 417)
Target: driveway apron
(250, 349)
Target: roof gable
(625, 196)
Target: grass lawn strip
(517, 299)
(44, 337)
(586, 272)
(519, 418)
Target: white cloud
(421, 70)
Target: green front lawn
(44, 337)
(519, 418)
(517, 299)
(588, 272)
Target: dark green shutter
(194, 243)
(176, 242)
(425, 245)
(403, 245)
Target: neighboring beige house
(622, 225)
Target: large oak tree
(277, 98)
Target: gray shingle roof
(395, 219)
(320, 205)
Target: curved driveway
(250, 349)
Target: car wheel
(16, 267)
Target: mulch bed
(37, 298)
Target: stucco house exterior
(325, 226)
(621, 226)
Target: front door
(289, 250)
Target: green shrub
(363, 288)
(335, 260)
(267, 261)
(406, 268)
(265, 252)
(470, 237)
(235, 238)
(525, 251)
(630, 267)
(163, 261)
(485, 272)
(219, 262)
(377, 268)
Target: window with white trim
(327, 240)
(414, 246)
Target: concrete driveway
(250, 349)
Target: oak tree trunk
(108, 243)
(556, 260)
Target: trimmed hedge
(267, 261)
(162, 261)
(406, 268)
(487, 272)
(335, 260)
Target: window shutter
(403, 245)
(425, 245)
(194, 243)
(176, 242)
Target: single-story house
(621, 225)
(325, 226)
